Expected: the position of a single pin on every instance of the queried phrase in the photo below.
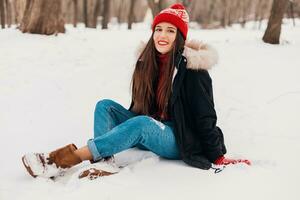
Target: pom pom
(177, 6)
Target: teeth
(160, 42)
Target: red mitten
(226, 161)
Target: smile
(162, 43)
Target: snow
(50, 85)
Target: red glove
(226, 161)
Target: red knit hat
(176, 15)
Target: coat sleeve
(201, 104)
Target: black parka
(191, 107)
(200, 141)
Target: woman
(172, 111)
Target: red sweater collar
(162, 59)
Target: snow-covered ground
(49, 87)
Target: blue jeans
(117, 129)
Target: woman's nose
(163, 34)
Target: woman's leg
(137, 131)
(109, 114)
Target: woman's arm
(201, 105)
(205, 118)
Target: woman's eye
(171, 31)
(158, 29)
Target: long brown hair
(145, 76)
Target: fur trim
(199, 55)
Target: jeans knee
(142, 120)
(149, 122)
(104, 104)
(143, 125)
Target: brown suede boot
(53, 164)
(64, 157)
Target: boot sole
(27, 167)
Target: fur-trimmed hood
(199, 55)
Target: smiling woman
(171, 114)
(164, 37)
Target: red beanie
(176, 15)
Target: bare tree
(208, 13)
(19, 7)
(75, 19)
(96, 12)
(121, 10)
(225, 17)
(211, 10)
(157, 5)
(246, 6)
(42, 17)
(258, 8)
(131, 14)
(85, 13)
(2, 13)
(272, 33)
(291, 11)
(154, 6)
(106, 14)
(8, 13)
(186, 3)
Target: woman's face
(164, 37)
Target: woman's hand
(226, 161)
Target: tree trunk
(2, 13)
(106, 14)
(19, 8)
(96, 13)
(211, 11)
(121, 9)
(244, 18)
(8, 13)
(187, 3)
(273, 30)
(229, 13)
(131, 14)
(224, 20)
(257, 12)
(75, 19)
(85, 13)
(291, 8)
(156, 6)
(43, 17)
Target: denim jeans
(117, 129)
